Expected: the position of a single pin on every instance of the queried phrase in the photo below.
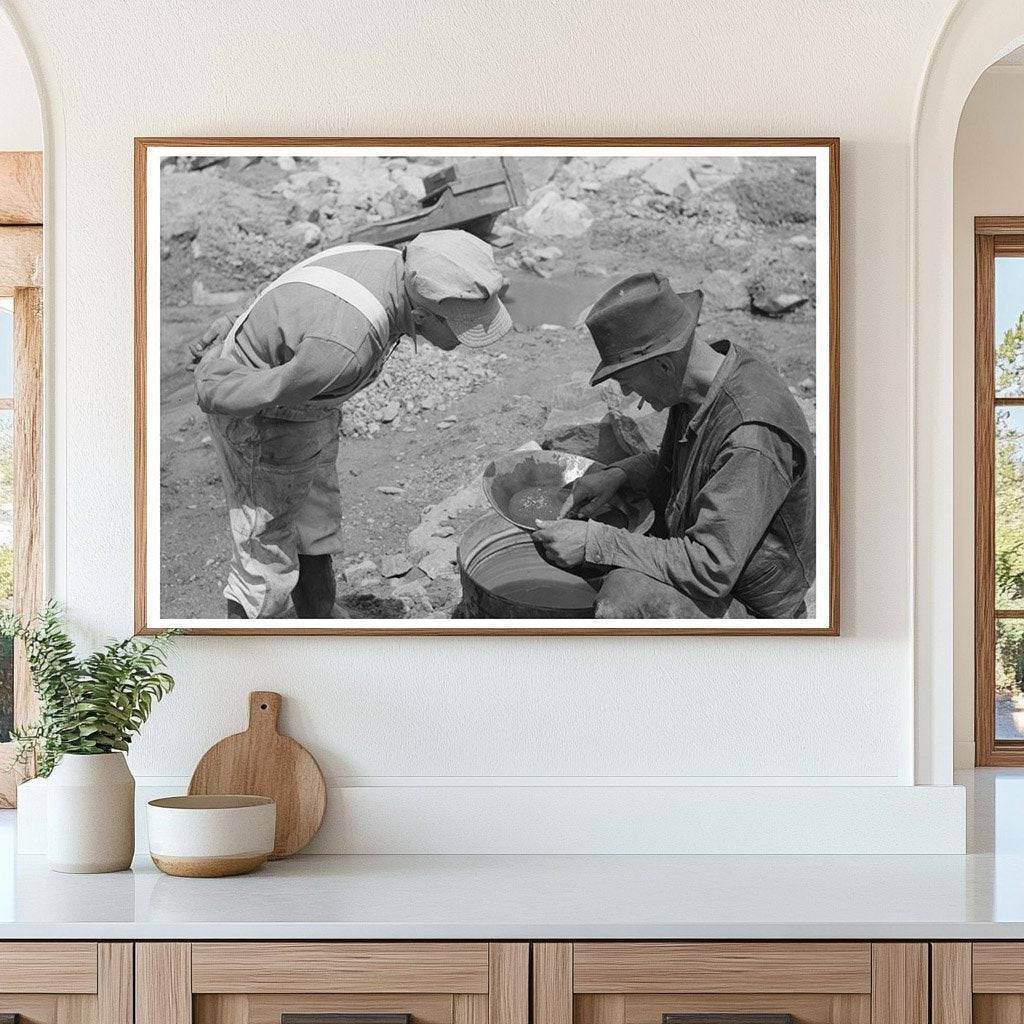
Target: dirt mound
(230, 225)
(220, 232)
(785, 196)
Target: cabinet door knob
(728, 1018)
(339, 1018)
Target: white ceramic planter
(90, 814)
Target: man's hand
(592, 494)
(215, 334)
(564, 541)
(209, 374)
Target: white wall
(988, 181)
(21, 125)
(439, 713)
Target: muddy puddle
(559, 299)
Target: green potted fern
(89, 709)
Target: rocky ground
(414, 444)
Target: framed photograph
(487, 386)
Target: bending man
(274, 386)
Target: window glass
(6, 518)
(1009, 679)
(1009, 327)
(1009, 511)
(6, 349)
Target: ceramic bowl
(211, 836)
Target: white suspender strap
(345, 288)
(340, 285)
(337, 250)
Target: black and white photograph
(464, 387)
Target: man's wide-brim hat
(638, 319)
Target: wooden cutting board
(262, 762)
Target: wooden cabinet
(815, 982)
(66, 982)
(259, 982)
(979, 982)
(493, 983)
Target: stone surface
(552, 217)
(776, 305)
(622, 167)
(305, 232)
(389, 412)
(670, 176)
(313, 181)
(414, 596)
(711, 172)
(724, 289)
(438, 516)
(639, 430)
(395, 565)
(809, 409)
(537, 171)
(439, 561)
(583, 432)
(355, 573)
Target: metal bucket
(504, 576)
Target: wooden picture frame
(147, 611)
(21, 263)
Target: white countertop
(532, 897)
(977, 896)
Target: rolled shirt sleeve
(227, 387)
(639, 470)
(751, 478)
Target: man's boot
(315, 593)
(235, 610)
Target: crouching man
(733, 483)
(274, 381)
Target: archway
(976, 33)
(21, 141)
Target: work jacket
(300, 350)
(733, 485)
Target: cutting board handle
(264, 710)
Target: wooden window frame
(21, 269)
(993, 236)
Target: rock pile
(417, 381)
(600, 423)
(728, 211)
(230, 225)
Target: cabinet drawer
(340, 967)
(630, 967)
(48, 967)
(66, 982)
(750, 982)
(998, 967)
(260, 982)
